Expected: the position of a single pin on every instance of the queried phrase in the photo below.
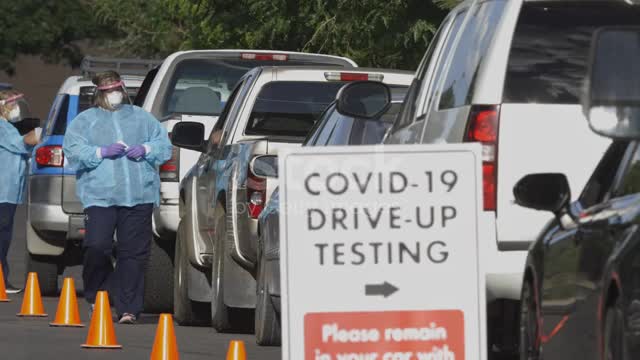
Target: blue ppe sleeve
(11, 139)
(159, 145)
(77, 150)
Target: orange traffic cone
(236, 351)
(101, 334)
(32, 301)
(165, 346)
(67, 314)
(3, 290)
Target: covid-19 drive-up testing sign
(380, 253)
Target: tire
(48, 268)
(267, 321)
(614, 343)
(186, 311)
(529, 331)
(158, 277)
(219, 311)
(225, 318)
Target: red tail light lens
(483, 128)
(169, 171)
(256, 194)
(264, 57)
(50, 156)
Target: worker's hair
(5, 109)
(103, 79)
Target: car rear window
(202, 86)
(550, 49)
(290, 108)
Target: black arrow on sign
(385, 289)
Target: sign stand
(380, 255)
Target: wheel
(225, 318)
(267, 321)
(219, 311)
(614, 344)
(186, 311)
(529, 330)
(158, 277)
(47, 268)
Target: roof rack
(93, 65)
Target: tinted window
(144, 88)
(202, 86)
(602, 179)
(446, 50)
(290, 108)
(408, 111)
(550, 50)
(631, 180)
(60, 126)
(51, 117)
(215, 138)
(470, 51)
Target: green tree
(382, 33)
(48, 28)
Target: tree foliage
(48, 28)
(381, 33)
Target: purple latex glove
(136, 152)
(112, 151)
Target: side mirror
(549, 192)
(364, 99)
(264, 166)
(612, 99)
(189, 135)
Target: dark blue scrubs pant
(7, 213)
(125, 283)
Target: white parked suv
(194, 86)
(510, 74)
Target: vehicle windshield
(202, 86)
(551, 46)
(290, 108)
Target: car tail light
(347, 76)
(169, 171)
(50, 156)
(483, 128)
(264, 57)
(256, 194)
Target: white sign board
(380, 253)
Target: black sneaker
(12, 289)
(127, 318)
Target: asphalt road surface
(34, 339)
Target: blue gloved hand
(112, 151)
(136, 152)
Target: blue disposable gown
(122, 181)
(14, 154)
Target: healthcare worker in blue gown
(116, 149)
(14, 154)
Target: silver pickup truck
(220, 199)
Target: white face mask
(14, 115)
(115, 98)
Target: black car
(333, 128)
(581, 289)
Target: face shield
(17, 108)
(115, 94)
